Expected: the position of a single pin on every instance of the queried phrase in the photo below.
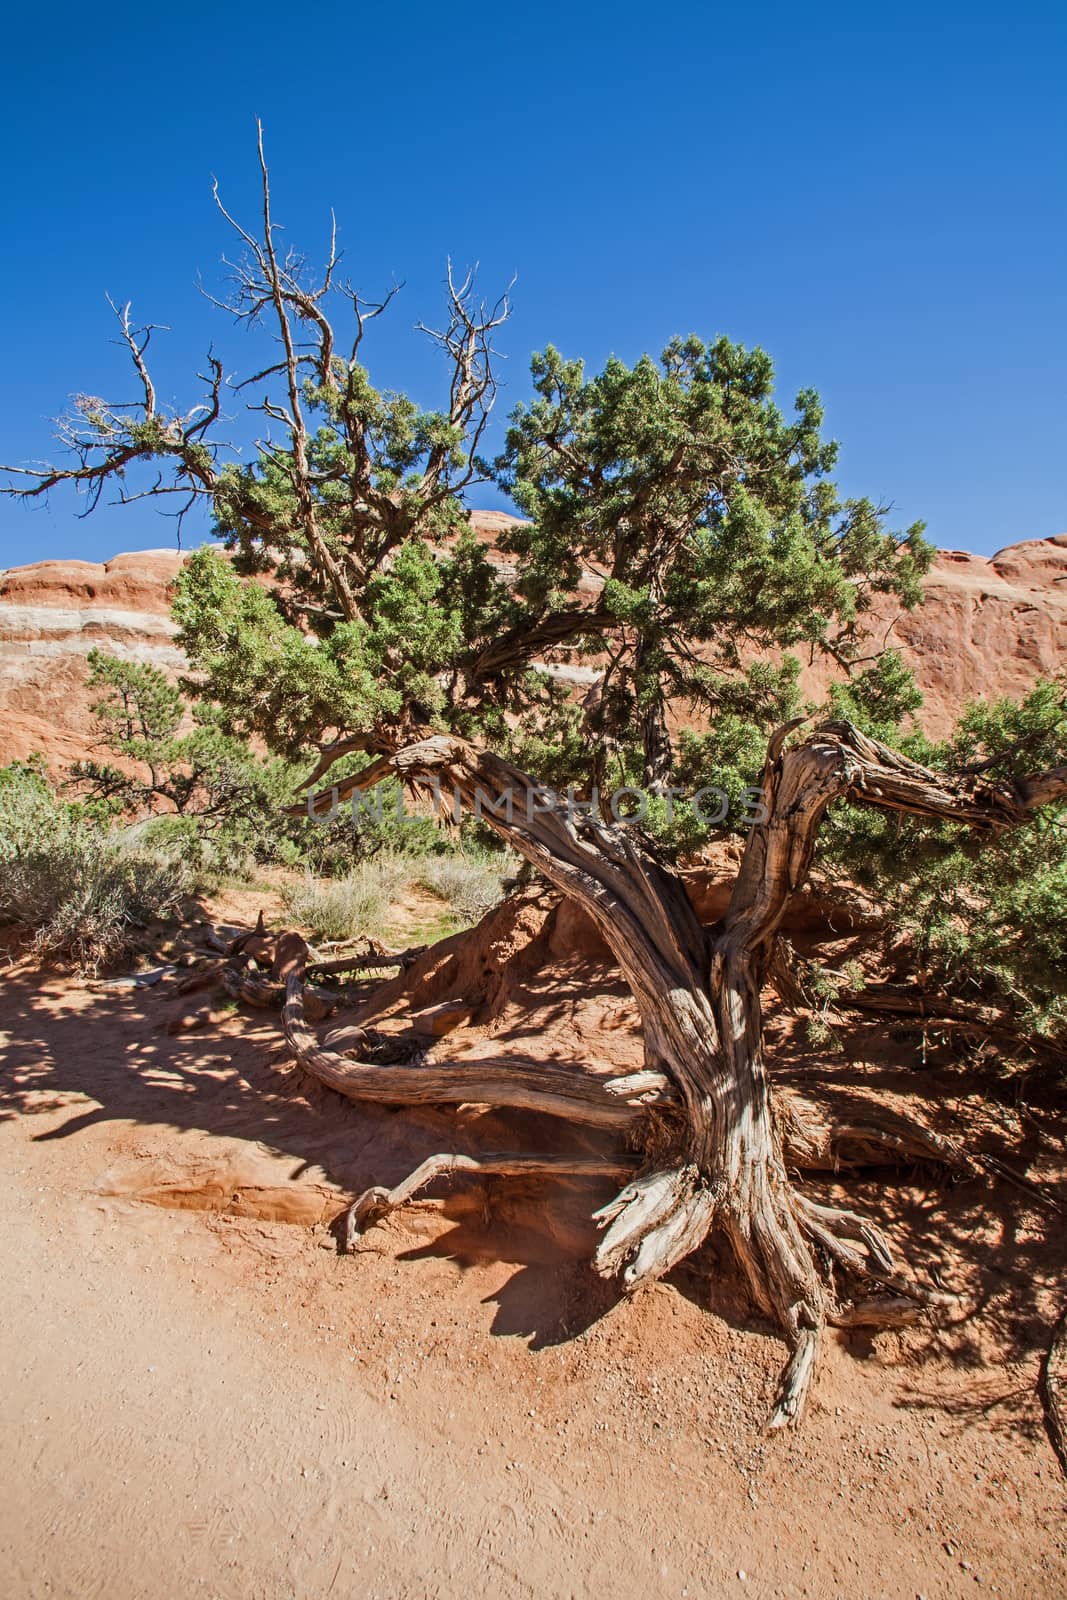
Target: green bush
(985, 919)
(82, 892)
(31, 815)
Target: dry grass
(349, 907)
(470, 885)
(359, 904)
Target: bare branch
(466, 340)
(137, 341)
(348, 513)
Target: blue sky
(877, 196)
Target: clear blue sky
(875, 195)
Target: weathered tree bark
(698, 993)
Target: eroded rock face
(52, 614)
(988, 628)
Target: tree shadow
(234, 1079)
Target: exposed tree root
(795, 1380)
(375, 1203)
(254, 989)
(912, 1008)
(244, 981)
(527, 1085)
(879, 1311)
(853, 1131)
(652, 1224)
(374, 960)
(857, 1245)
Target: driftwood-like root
(654, 1223)
(795, 1381)
(941, 1013)
(855, 1244)
(853, 1131)
(375, 1203)
(878, 1311)
(371, 961)
(245, 979)
(559, 1090)
(830, 1225)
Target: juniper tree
(683, 538)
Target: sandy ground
(200, 1396)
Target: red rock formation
(988, 628)
(51, 615)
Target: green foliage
(708, 513)
(420, 623)
(380, 822)
(84, 893)
(181, 759)
(996, 921)
(193, 783)
(31, 814)
(878, 699)
(713, 520)
(981, 918)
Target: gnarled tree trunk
(698, 992)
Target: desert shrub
(470, 885)
(88, 903)
(348, 907)
(31, 814)
(82, 892)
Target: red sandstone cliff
(988, 627)
(51, 615)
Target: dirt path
(198, 1396)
